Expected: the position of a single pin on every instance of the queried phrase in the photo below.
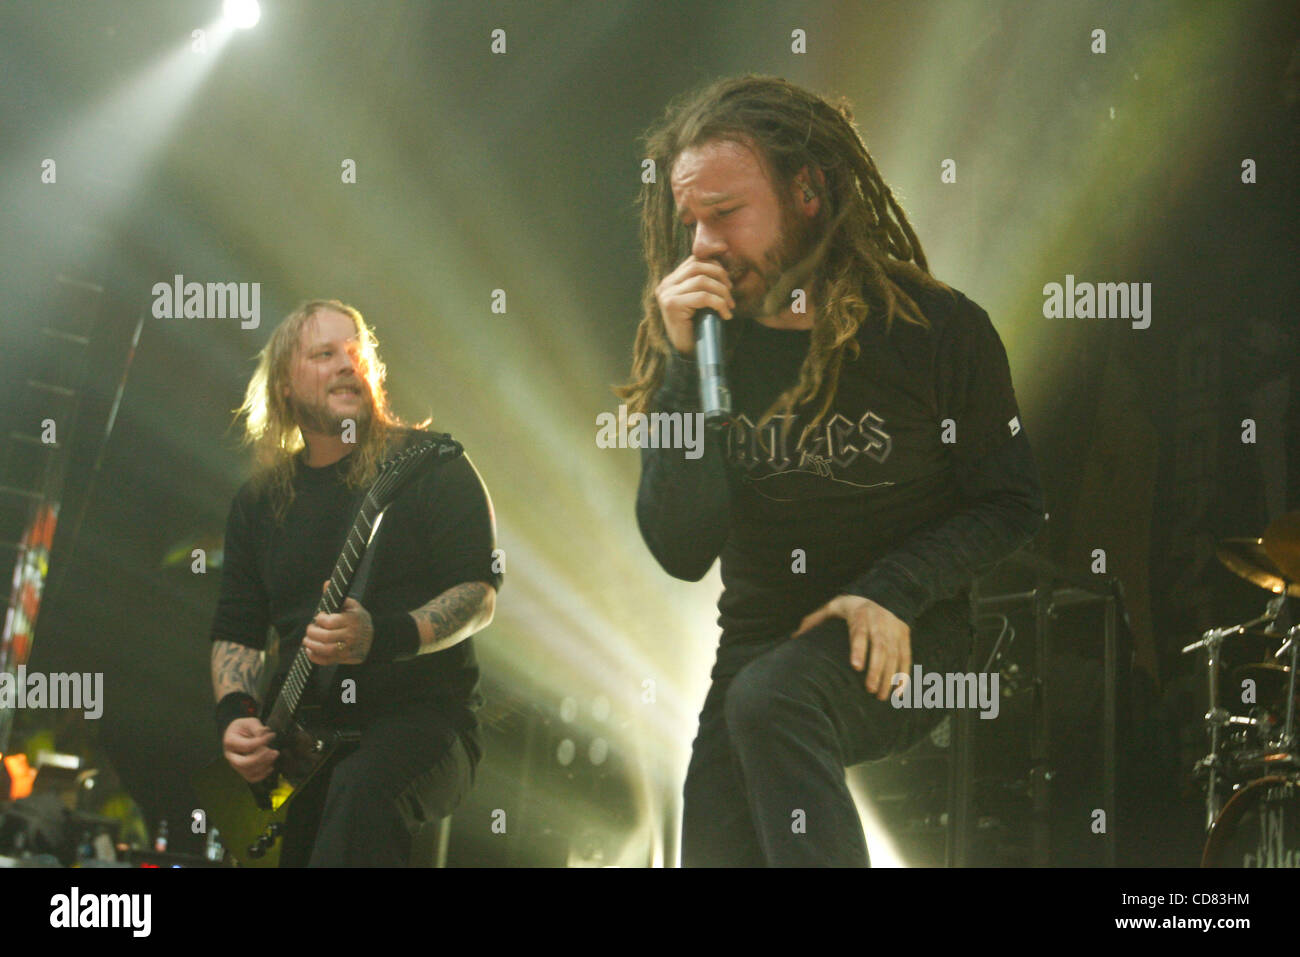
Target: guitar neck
(359, 539)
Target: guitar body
(252, 817)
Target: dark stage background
(517, 171)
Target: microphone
(715, 397)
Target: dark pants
(412, 767)
(766, 783)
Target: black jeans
(766, 783)
(411, 767)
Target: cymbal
(1246, 557)
(1282, 544)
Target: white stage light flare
(243, 14)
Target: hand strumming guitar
(246, 746)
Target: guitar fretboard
(332, 598)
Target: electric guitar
(251, 817)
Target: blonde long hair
(269, 426)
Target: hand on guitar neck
(340, 639)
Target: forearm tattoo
(236, 667)
(450, 613)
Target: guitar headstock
(401, 467)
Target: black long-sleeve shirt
(919, 477)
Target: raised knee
(751, 699)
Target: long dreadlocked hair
(863, 245)
(269, 425)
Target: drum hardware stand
(1292, 646)
(1213, 765)
(1217, 718)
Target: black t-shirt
(439, 532)
(918, 475)
(812, 513)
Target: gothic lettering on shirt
(837, 441)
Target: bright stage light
(243, 14)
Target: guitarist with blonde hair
(403, 674)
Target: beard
(318, 417)
(785, 259)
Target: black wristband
(396, 636)
(237, 704)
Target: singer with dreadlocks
(407, 679)
(874, 462)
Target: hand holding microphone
(694, 299)
(694, 285)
